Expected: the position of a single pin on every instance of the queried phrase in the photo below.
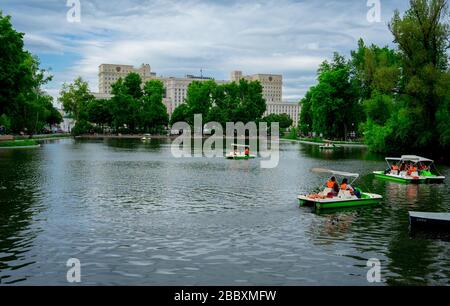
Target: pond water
(134, 215)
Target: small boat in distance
(240, 152)
(430, 220)
(329, 145)
(146, 137)
(410, 169)
(344, 198)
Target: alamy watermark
(374, 13)
(74, 13)
(374, 273)
(74, 273)
(235, 134)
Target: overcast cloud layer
(181, 37)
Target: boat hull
(241, 157)
(399, 179)
(429, 220)
(327, 148)
(366, 200)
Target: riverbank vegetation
(18, 143)
(24, 106)
(397, 99)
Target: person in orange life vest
(394, 169)
(332, 184)
(247, 151)
(346, 186)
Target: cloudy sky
(181, 37)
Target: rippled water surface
(133, 214)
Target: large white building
(176, 87)
(290, 109)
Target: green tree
(23, 105)
(305, 124)
(422, 35)
(180, 114)
(125, 109)
(154, 114)
(332, 107)
(283, 119)
(75, 98)
(133, 83)
(99, 112)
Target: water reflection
(19, 194)
(133, 214)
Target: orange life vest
(330, 184)
(344, 186)
(394, 168)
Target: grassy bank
(43, 137)
(18, 143)
(320, 140)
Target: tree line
(24, 106)
(133, 108)
(137, 108)
(397, 99)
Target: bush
(82, 127)
(5, 124)
(293, 134)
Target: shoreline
(338, 144)
(101, 136)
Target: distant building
(290, 109)
(176, 87)
(272, 84)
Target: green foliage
(99, 112)
(130, 110)
(180, 114)
(379, 108)
(404, 94)
(132, 83)
(5, 122)
(293, 134)
(154, 113)
(75, 98)
(284, 120)
(22, 102)
(18, 143)
(232, 102)
(331, 107)
(82, 127)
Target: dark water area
(135, 215)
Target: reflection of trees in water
(360, 153)
(154, 143)
(412, 259)
(17, 197)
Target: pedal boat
(328, 146)
(238, 153)
(429, 176)
(344, 197)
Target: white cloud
(178, 37)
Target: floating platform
(429, 220)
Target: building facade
(290, 109)
(272, 84)
(176, 87)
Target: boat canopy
(411, 158)
(239, 146)
(334, 172)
